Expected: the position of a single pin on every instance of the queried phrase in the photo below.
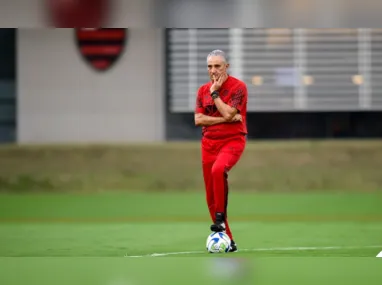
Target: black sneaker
(219, 225)
(233, 247)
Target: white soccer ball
(218, 243)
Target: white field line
(379, 254)
(300, 248)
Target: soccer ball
(218, 243)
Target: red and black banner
(101, 48)
(78, 13)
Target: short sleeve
(238, 98)
(199, 102)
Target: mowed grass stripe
(254, 218)
(276, 249)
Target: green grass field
(119, 224)
(89, 238)
(300, 212)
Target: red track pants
(218, 157)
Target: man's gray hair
(218, 52)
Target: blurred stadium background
(314, 85)
(303, 83)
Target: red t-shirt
(234, 93)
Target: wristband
(215, 95)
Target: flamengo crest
(102, 47)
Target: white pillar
(364, 62)
(192, 67)
(235, 56)
(300, 68)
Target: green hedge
(265, 166)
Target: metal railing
(285, 69)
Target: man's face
(216, 66)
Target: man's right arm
(200, 118)
(204, 120)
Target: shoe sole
(217, 229)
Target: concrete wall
(62, 100)
(213, 13)
(36, 14)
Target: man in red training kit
(221, 110)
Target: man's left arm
(233, 106)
